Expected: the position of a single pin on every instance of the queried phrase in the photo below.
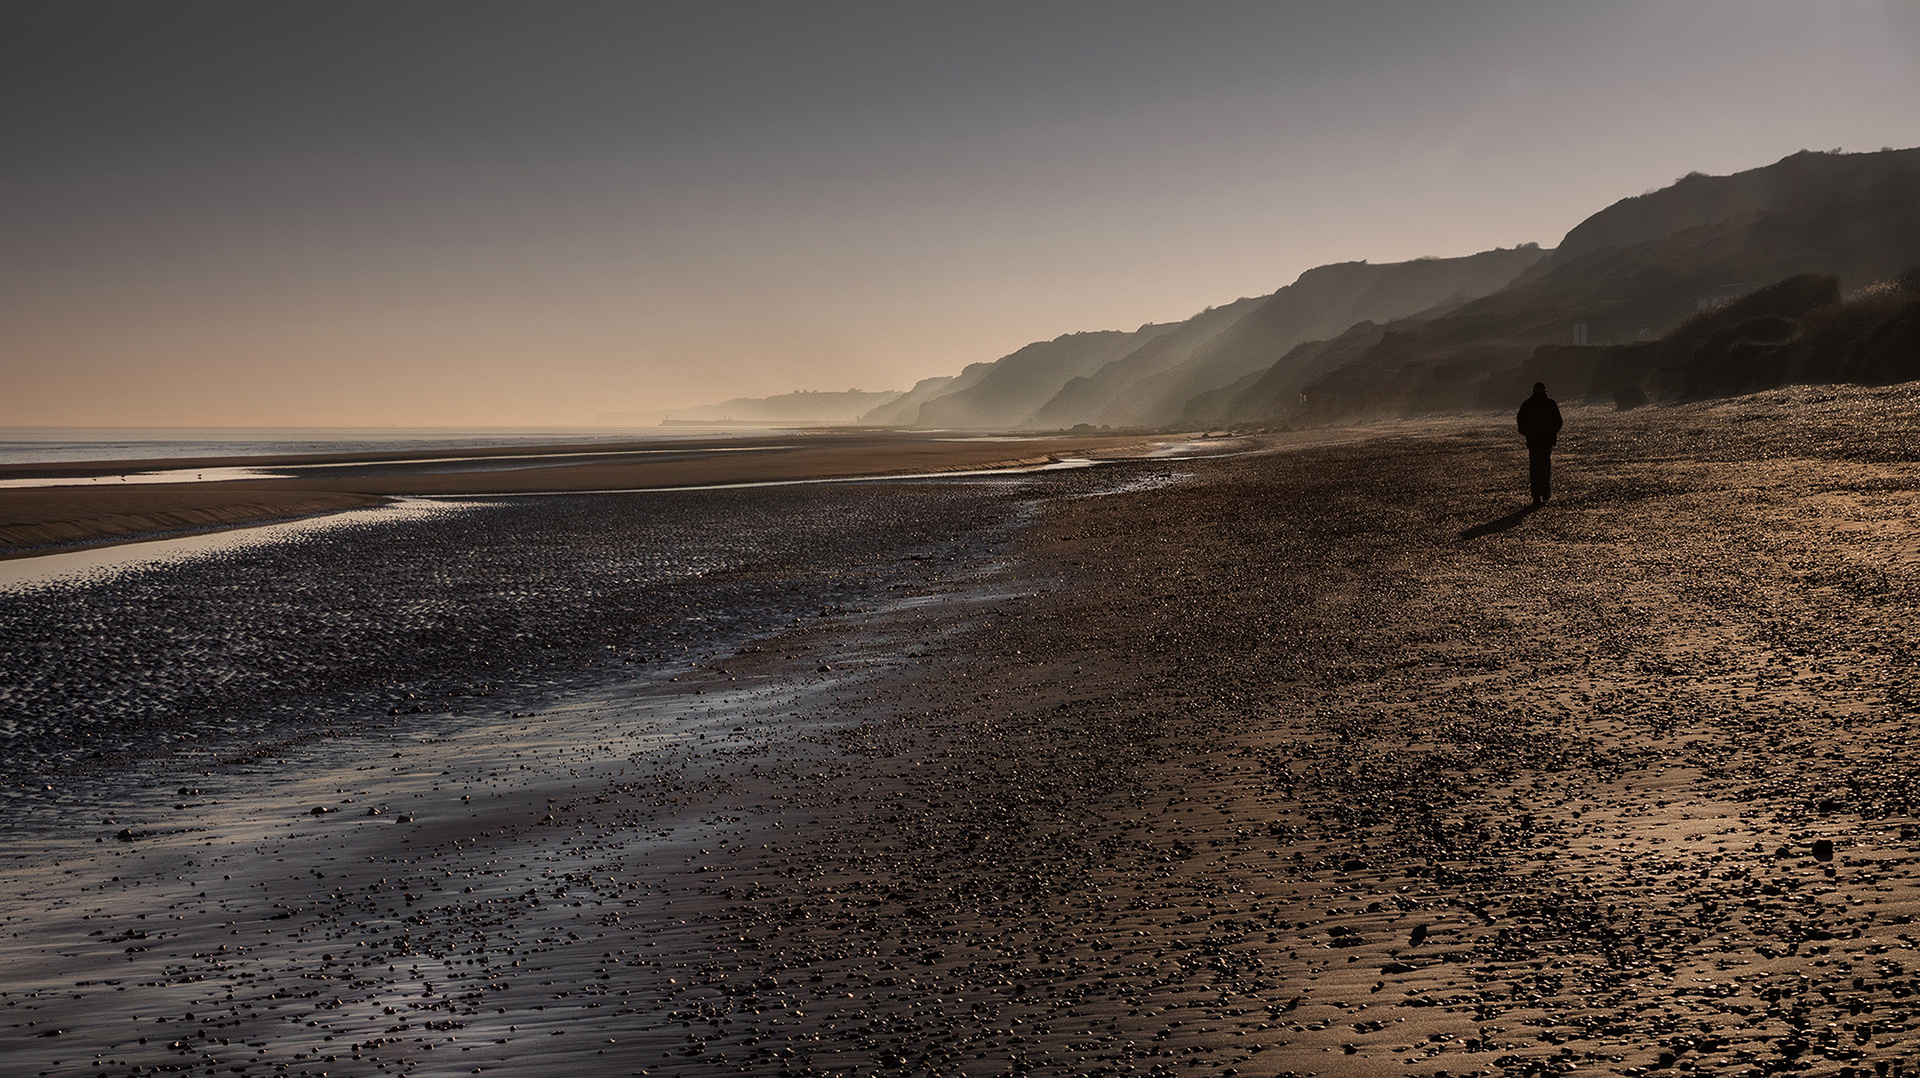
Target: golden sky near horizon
(475, 213)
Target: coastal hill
(804, 406)
(1612, 313)
(1145, 378)
(1090, 398)
(1853, 218)
(1006, 391)
(1323, 302)
(1697, 199)
(901, 410)
(1352, 339)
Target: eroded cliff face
(1696, 199)
(1352, 338)
(1146, 378)
(1013, 387)
(1092, 398)
(903, 410)
(1324, 302)
(1852, 219)
(1322, 306)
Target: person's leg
(1537, 474)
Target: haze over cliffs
(1007, 391)
(1633, 272)
(1145, 378)
(803, 407)
(1355, 339)
(1615, 311)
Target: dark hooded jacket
(1539, 419)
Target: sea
(46, 445)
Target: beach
(1314, 755)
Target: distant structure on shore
(810, 407)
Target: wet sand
(99, 507)
(38, 520)
(1332, 761)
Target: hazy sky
(345, 213)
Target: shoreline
(841, 440)
(38, 520)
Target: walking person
(1539, 422)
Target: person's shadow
(1490, 527)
